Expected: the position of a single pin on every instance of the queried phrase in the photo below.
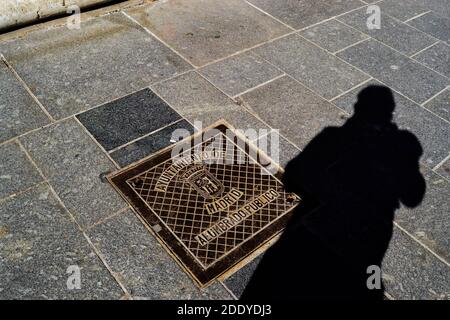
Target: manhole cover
(209, 198)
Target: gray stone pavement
(78, 104)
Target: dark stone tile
(396, 70)
(411, 272)
(303, 13)
(395, 34)
(433, 24)
(17, 173)
(38, 243)
(444, 169)
(429, 222)
(239, 280)
(204, 31)
(74, 166)
(297, 112)
(128, 118)
(19, 112)
(152, 143)
(437, 58)
(431, 131)
(142, 264)
(403, 9)
(333, 35)
(320, 71)
(199, 101)
(239, 73)
(73, 70)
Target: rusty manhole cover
(213, 205)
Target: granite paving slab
(333, 35)
(314, 67)
(19, 112)
(71, 70)
(411, 272)
(403, 9)
(303, 13)
(296, 111)
(393, 33)
(239, 73)
(395, 70)
(437, 58)
(433, 24)
(40, 247)
(198, 101)
(17, 173)
(75, 167)
(444, 170)
(143, 265)
(206, 30)
(430, 221)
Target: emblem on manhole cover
(212, 202)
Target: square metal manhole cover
(209, 198)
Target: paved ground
(77, 104)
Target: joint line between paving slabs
(417, 16)
(25, 86)
(422, 244)
(72, 217)
(157, 38)
(96, 142)
(425, 102)
(414, 60)
(424, 49)
(144, 136)
(442, 162)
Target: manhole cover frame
(234, 260)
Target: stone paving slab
(151, 143)
(239, 73)
(412, 272)
(38, 243)
(333, 35)
(440, 105)
(430, 221)
(295, 110)
(125, 244)
(17, 173)
(317, 69)
(302, 13)
(19, 112)
(74, 165)
(395, 34)
(277, 148)
(128, 118)
(197, 100)
(395, 70)
(74, 70)
(239, 280)
(403, 9)
(444, 170)
(431, 131)
(437, 58)
(433, 24)
(206, 30)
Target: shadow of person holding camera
(351, 180)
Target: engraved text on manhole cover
(212, 202)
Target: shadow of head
(375, 105)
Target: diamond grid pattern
(182, 209)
